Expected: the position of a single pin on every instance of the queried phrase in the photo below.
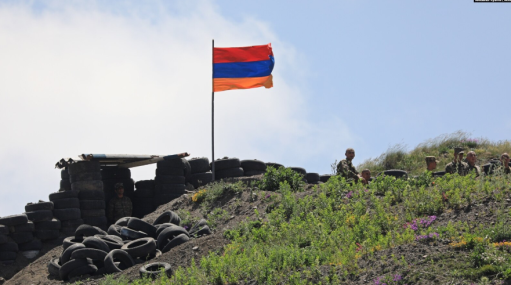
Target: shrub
(274, 177)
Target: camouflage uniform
(499, 168)
(119, 208)
(346, 169)
(460, 167)
(475, 168)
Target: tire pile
(201, 172)
(15, 230)
(274, 165)
(227, 168)
(170, 180)
(144, 202)
(129, 241)
(45, 226)
(66, 209)
(85, 177)
(312, 178)
(65, 183)
(253, 167)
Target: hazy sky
(126, 77)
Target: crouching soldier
(120, 206)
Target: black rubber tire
(227, 173)
(114, 230)
(274, 165)
(204, 231)
(395, 173)
(180, 239)
(83, 166)
(85, 176)
(188, 168)
(200, 224)
(168, 217)
(123, 221)
(114, 172)
(169, 189)
(227, 163)
(31, 207)
(64, 174)
(4, 230)
(123, 257)
(54, 267)
(75, 223)
(4, 238)
(8, 255)
(39, 216)
(71, 265)
(9, 246)
(92, 204)
(324, 177)
(254, 172)
(253, 164)
(28, 227)
(161, 227)
(92, 195)
(63, 195)
(139, 225)
(14, 220)
(101, 222)
(93, 213)
(69, 241)
(82, 271)
(144, 184)
(170, 171)
(312, 177)
(153, 270)
(92, 253)
(67, 214)
(67, 203)
(47, 234)
(170, 163)
(93, 185)
(65, 185)
(154, 254)
(35, 244)
(113, 241)
(169, 234)
(88, 231)
(201, 179)
(199, 165)
(68, 252)
(300, 170)
(438, 173)
(94, 242)
(132, 234)
(22, 237)
(169, 179)
(140, 248)
(144, 193)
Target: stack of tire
(253, 167)
(201, 172)
(14, 231)
(45, 225)
(85, 177)
(143, 202)
(65, 183)
(227, 168)
(274, 165)
(301, 171)
(112, 175)
(170, 180)
(324, 178)
(313, 178)
(66, 210)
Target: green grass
(397, 157)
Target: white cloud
(81, 78)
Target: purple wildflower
(267, 196)
(349, 195)
(397, 277)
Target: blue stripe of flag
(243, 69)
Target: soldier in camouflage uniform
(366, 174)
(346, 169)
(504, 166)
(457, 165)
(119, 206)
(471, 162)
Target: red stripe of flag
(242, 54)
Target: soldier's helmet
(118, 186)
(431, 159)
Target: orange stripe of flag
(222, 84)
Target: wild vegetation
(445, 230)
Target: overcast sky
(126, 77)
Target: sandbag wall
(85, 177)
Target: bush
(274, 177)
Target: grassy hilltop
(446, 230)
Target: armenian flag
(242, 67)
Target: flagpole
(212, 110)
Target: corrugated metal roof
(120, 160)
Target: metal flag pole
(213, 110)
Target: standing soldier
(471, 162)
(119, 206)
(346, 169)
(431, 163)
(457, 165)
